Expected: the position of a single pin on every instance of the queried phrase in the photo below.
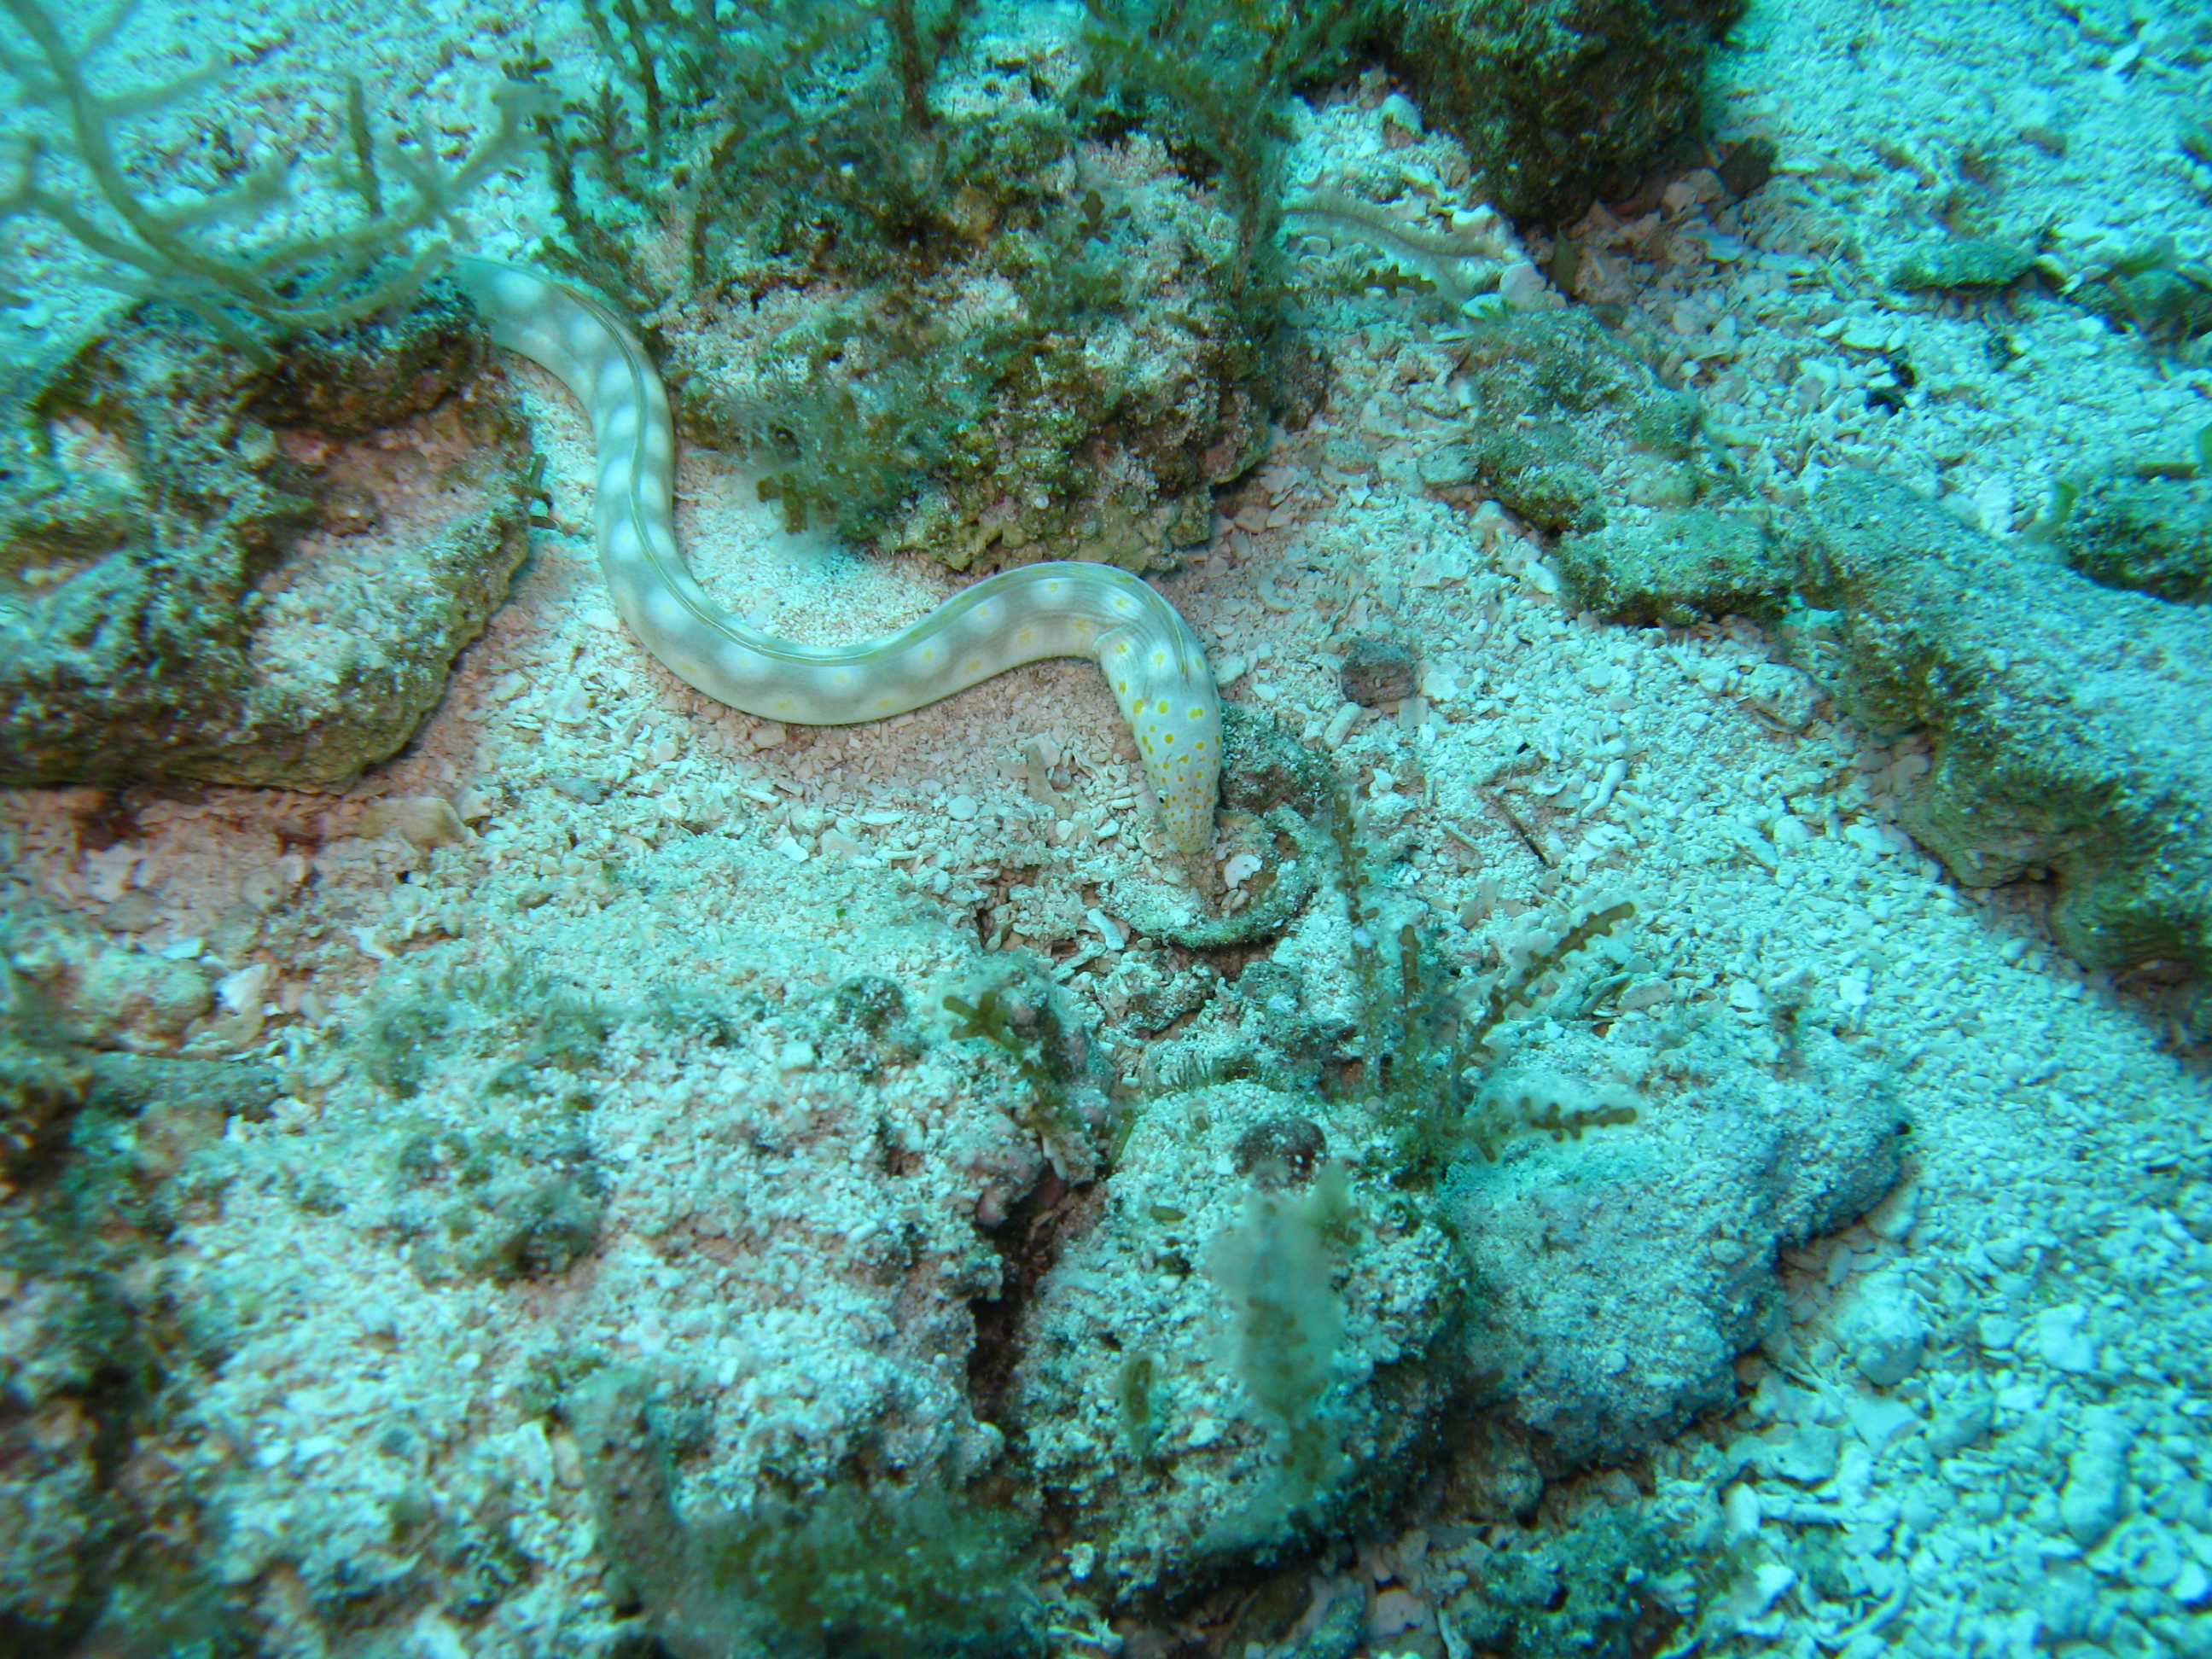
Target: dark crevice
(1029, 1243)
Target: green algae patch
(2149, 535)
(1966, 262)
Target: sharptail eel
(1151, 658)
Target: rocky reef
(218, 568)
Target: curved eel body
(1151, 658)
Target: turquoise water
(1667, 1117)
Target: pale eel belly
(1151, 658)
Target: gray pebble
(1376, 671)
(577, 787)
(1884, 1331)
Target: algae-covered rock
(1559, 101)
(1964, 262)
(2072, 724)
(1565, 415)
(1279, 1359)
(1046, 345)
(86, 991)
(247, 573)
(1587, 1590)
(1690, 566)
(2153, 535)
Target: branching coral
(1217, 70)
(191, 254)
(1424, 1042)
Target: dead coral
(2069, 722)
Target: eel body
(1152, 661)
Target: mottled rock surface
(1629, 1266)
(2072, 724)
(1560, 101)
(235, 573)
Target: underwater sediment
(1669, 1117)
